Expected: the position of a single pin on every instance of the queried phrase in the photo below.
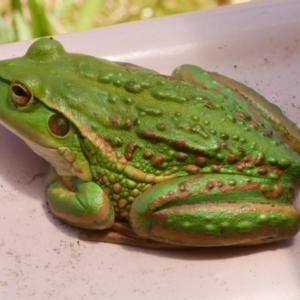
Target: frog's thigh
(79, 203)
(209, 210)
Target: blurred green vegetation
(26, 19)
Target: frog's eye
(20, 94)
(58, 125)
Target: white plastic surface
(41, 258)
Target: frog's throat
(57, 158)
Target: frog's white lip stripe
(53, 156)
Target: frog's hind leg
(121, 233)
(215, 210)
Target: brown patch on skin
(243, 187)
(257, 124)
(179, 143)
(186, 76)
(245, 163)
(262, 170)
(122, 203)
(152, 136)
(191, 169)
(134, 193)
(113, 120)
(200, 161)
(174, 79)
(128, 122)
(239, 115)
(148, 134)
(258, 161)
(201, 85)
(157, 160)
(105, 179)
(272, 169)
(226, 187)
(216, 89)
(274, 193)
(247, 158)
(116, 197)
(147, 154)
(181, 156)
(240, 166)
(231, 158)
(130, 148)
(112, 179)
(248, 162)
(106, 190)
(117, 187)
(124, 214)
(216, 168)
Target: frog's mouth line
(2, 79)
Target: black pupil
(19, 91)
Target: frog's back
(195, 121)
(205, 125)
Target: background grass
(26, 19)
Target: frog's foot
(215, 210)
(121, 233)
(79, 203)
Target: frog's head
(32, 105)
(22, 88)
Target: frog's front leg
(79, 203)
(215, 210)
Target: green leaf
(22, 28)
(89, 12)
(7, 33)
(39, 21)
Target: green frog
(190, 160)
